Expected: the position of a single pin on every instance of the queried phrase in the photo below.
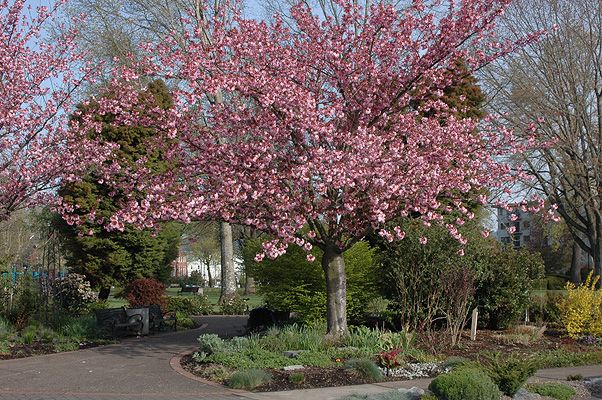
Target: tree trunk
(249, 285)
(227, 261)
(209, 277)
(336, 291)
(576, 264)
(104, 292)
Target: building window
(505, 240)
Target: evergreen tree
(118, 257)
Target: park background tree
(118, 257)
(552, 89)
(113, 35)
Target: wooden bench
(191, 289)
(115, 321)
(157, 318)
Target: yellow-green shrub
(581, 309)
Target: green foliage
(545, 308)
(563, 358)
(80, 328)
(291, 283)
(234, 305)
(413, 275)
(366, 368)
(554, 390)
(27, 298)
(575, 377)
(218, 373)
(249, 379)
(210, 343)
(389, 395)
(184, 320)
(464, 384)
(509, 373)
(504, 287)
(192, 305)
(74, 294)
(298, 378)
(554, 282)
(113, 257)
(144, 292)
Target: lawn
(254, 300)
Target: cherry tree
(319, 130)
(37, 80)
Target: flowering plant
(391, 359)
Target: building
(180, 265)
(520, 220)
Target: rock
(293, 367)
(594, 385)
(523, 394)
(292, 353)
(413, 393)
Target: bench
(115, 320)
(191, 289)
(157, 318)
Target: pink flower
(311, 258)
(423, 240)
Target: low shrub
(74, 294)
(366, 368)
(210, 343)
(184, 320)
(575, 377)
(298, 378)
(554, 282)
(218, 373)
(508, 373)
(389, 395)
(581, 309)
(235, 305)
(464, 384)
(249, 379)
(563, 358)
(144, 292)
(554, 390)
(193, 305)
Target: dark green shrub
(366, 368)
(298, 378)
(545, 309)
(73, 294)
(184, 320)
(555, 282)
(508, 373)
(249, 379)
(504, 285)
(291, 283)
(464, 384)
(144, 292)
(555, 390)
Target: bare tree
(556, 84)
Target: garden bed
(21, 350)
(324, 362)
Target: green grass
(254, 301)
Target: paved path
(139, 369)
(133, 369)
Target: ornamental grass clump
(508, 373)
(581, 309)
(249, 379)
(366, 368)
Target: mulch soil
(493, 341)
(22, 350)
